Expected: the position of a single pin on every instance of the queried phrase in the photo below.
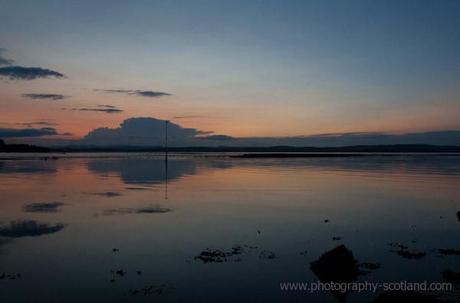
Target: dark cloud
(28, 73)
(141, 131)
(28, 228)
(40, 123)
(44, 96)
(42, 207)
(143, 210)
(107, 110)
(107, 106)
(3, 60)
(141, 93)
(151, 94)
(147, 131)
(27, 132)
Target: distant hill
(399, 148)
(21, 148)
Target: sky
(234, 68)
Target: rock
(449, 252)
(219, 256)
(236, 250)
(403, 251)
(208, 256)
(336, 265)
(458, 215)
(369, 265)
(398, 245)
(416, 255)
(450, 275)
(120, 272)
(265, 254)
(5, 276)
(151, 290)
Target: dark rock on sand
(398, 245)
(210, 256)
(403, 251)
(451, 276)
(411, 254)
(449, 252)
(120, 272)
(219, 256)
(265, 254)
(338, 265)
(236, 250)
(150, 290)
(6, 276)
(369, 265)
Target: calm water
(60, 220)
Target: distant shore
(272, 151)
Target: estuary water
(132, 227)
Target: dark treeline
(21, 148)
(400, 148)
(345, 149)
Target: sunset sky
(239, 68)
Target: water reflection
(256, 223)
(429, 164)
(42, 207)
(144, 171)
(141, 210)
(28, 228)
(27, 167)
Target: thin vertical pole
(166, 159)
(166, 137)
(166, 177)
